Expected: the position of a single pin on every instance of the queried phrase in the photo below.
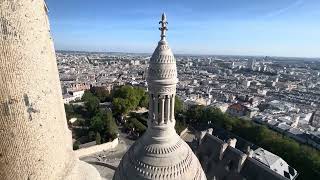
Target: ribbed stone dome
(162, 63)
(168, 160)
(160, 153)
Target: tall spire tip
(163, 27)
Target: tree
(111, 127)
(303, 158)
(92, 105)
(98, 138)
(101, 93)
(121, 106)
(178, 105)
(194, 114)
(143, 118)
(91, 102)
(137, 126)
(69, 111)
(180, 126)
(96, 124)
(128, 98)
(76, 145)
(144, 102)
(91, 135)
(87, 95)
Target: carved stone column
(162, 110)
(172, 107)
(156, 108)
(168, 106)
(151, 105)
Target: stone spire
(163, 27)
(160, 153)
(35, 142)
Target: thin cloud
(285, 9)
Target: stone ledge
(97, 148)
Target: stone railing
(97, 148)
(184, 131)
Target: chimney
(210, 131)
(249, 152)
(232, 142)
(201, 136)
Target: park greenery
(136, 126)
(97, 123)
(101, 93)
(125, 99)
(101, 122)
(303, 158)
(128, 98)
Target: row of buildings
(284, 94)
(266, 91)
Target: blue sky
(228, 27)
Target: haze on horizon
(227, 27)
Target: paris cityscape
(282, 94)
(159, 90)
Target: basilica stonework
(160, 153)
(35, 142)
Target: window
(286, 174)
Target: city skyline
(82, 114)
(272, 28)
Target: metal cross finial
(163, 27)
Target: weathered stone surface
(35, 142)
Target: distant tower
(35, 142)
(295, 120)
(264, 68)
(277, 79)
(251, 64)
(233, 65)
(160, 153)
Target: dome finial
(163, 27)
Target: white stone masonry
(160, 153)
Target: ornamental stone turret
(35, 142)
(160, 153)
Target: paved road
(111, 157)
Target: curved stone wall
(35, 142)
